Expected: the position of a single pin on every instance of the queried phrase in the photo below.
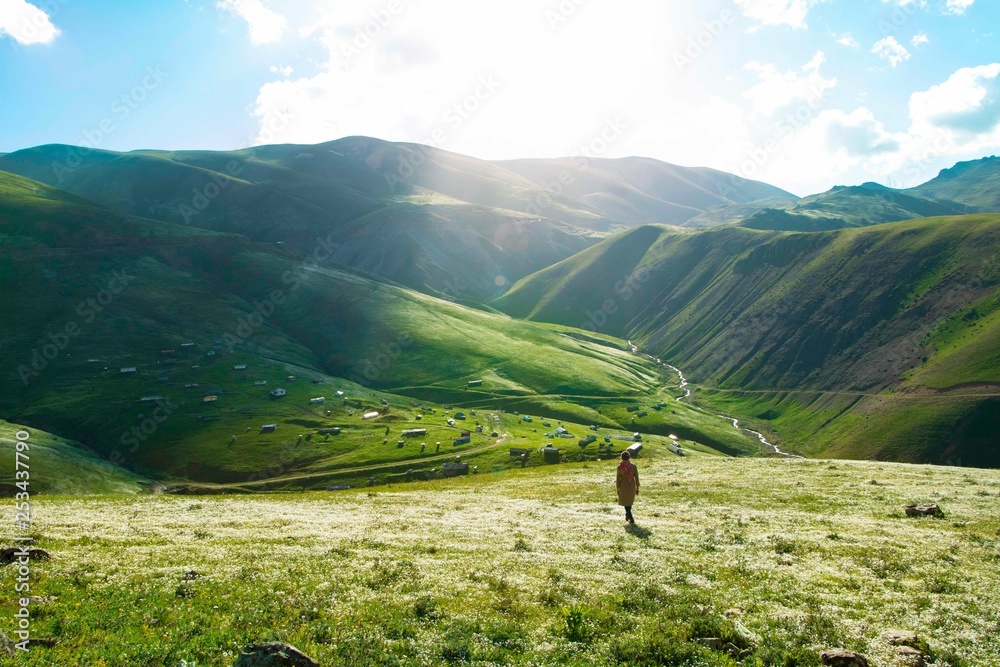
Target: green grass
(972, 183)
(954, 428)
(855, 206)
(810, 323)
(783, 558)
(373, 340)
(56, 466)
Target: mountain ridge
(899, 307)
(298, 194)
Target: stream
(736, 422)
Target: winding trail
(736, 422)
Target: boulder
(927, 509)
(273, 654)
(839, 657)
(900, 637)
(909, 656)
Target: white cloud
(284, 70)
(26, 23)
(958, 6)
(858, 134)
(448, 74)
(847, 39)
(920, 39)
(891, 51)
(967, 103)
(265, 25)
(713, 134)
(958, 119)
(852, 145)
(792, 13)
(777, 89)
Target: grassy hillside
(58, 466)
(975, 183)
(783, 558)
(32, 213)
(909, 307)
(439, 222)
(724, 215)
(457, 252)
(856, 206)
(637, 190)
(211, 323)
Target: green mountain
(435, 221)
(635, 191)
(724, 215)
(968, 187)
(876, 342)
(975, 184)
(855, 206)
(32, 213)
(156, 346)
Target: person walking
(627, 484)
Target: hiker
(627, 484)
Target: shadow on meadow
(638, 531)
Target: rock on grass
(273, 654)
(839, 657)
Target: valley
(155, 345)
(476, 334)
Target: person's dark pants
(628, 514)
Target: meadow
(780, 558)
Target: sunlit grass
(784, 558)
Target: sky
(803, 94)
